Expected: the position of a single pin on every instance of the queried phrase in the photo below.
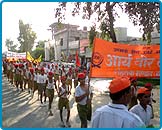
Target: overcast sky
(40, 15)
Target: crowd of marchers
(130, 107)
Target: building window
(61, 42)
(77, 38)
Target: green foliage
(41, 44)
(40, 50)
(10, 45)
(142, 81)
(105, 33)
(40, 47)
(145, 14)
(26, 37)
(92, 35)
(102, 12)
(37, 52)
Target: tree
(40, 44)
(145, 14)
(104, 12)
(37, 52)
(10, 45)
(26, 37)
(92, 35)
(39, 49)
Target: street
(20, 110)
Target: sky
(40, 15)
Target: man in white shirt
(83, 97)
(42, 77)
(116, 114)
(143, 110)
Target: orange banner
(117, 59)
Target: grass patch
(154, 82)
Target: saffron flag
(116, 59)
(29, 57)
(77, 59)
(39, 59)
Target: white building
(66, 38)
(121, 33)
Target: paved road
(22, 111)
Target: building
(66, 38)
(121, 35)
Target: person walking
(83, 97)
(116, 114)
(17, 76)
(143, 110)
(51, 84)
(63, 94)
(133, 100)
(56, 75)
(149, 86)
(42, 77)
(69, 78)
(31, 81)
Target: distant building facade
(68, 38)
(121, 36)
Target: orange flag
(77, 59)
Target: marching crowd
(130, 107)
(50, 78)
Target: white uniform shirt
(46, 70)
(51, 85)
(8, 67)
(35, 76)
(78, 92)
(144, 115)
(115, 116)
(63, 90)
(41, 78)
(27, 74)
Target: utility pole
(79, 44)
(51, 29)
(53, 41)
(67, 51)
